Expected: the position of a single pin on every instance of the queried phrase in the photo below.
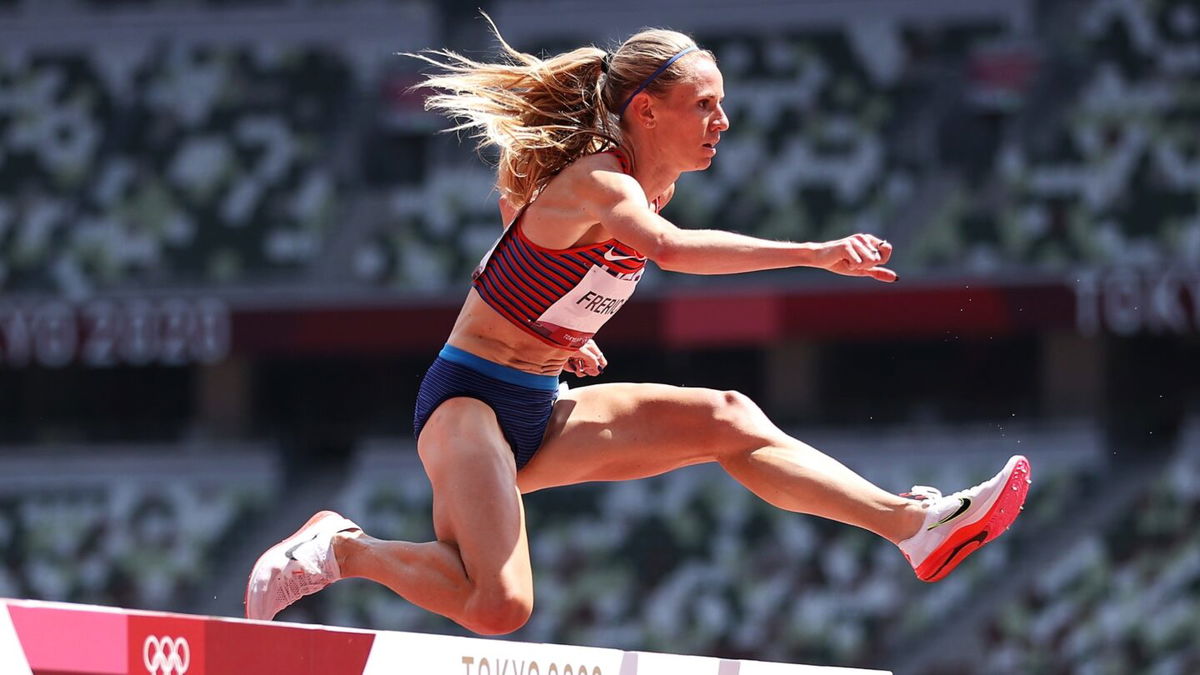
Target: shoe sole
(973, 536)
(283, 543)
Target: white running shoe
(959, 524)
(300, 565)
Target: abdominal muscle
(483, 332)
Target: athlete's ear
(643, 110)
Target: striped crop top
(560, 296)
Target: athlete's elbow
(669, 254)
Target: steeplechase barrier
(48, 638)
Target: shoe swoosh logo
(612, 256)
(290, 553)
(979, 538)
(962, 508)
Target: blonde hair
(543, 114)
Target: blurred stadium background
(231, 240)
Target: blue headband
(660, 71)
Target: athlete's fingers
(601, 359)
(593, 358)
(882, 274)
(885, 252)
(591, 365)
(850, 253)
(583, 364)
(866, 251)
(877, 245)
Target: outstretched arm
(620, 205)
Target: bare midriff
(483, 332)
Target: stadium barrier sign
(46, 638)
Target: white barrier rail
(63, 639)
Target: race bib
(577, 316)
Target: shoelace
(922, 493)
(307, 557)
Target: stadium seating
(1109, 179)
(121, 174)
(1124, 600)
(185, 164)
(126, 526)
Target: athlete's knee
(498, 611)
(741, 425)
(735, 409)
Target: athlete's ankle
(346, 548)
(910, 521)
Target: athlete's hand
(588, 361)
(859, 255)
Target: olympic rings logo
(166, 656)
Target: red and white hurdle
(47, 638)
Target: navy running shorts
(522, 401)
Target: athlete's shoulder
(599, 162)
(602, 177)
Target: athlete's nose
(721, 121)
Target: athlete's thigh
(622, 431)
(476, 505)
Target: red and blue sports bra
(560, 296)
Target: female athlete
(590, 146)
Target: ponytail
(543, 115)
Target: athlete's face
(689, 118)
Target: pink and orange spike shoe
(957, 525)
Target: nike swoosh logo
(290, 553)
(979, 538)
(962, 508)
(611, 256)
